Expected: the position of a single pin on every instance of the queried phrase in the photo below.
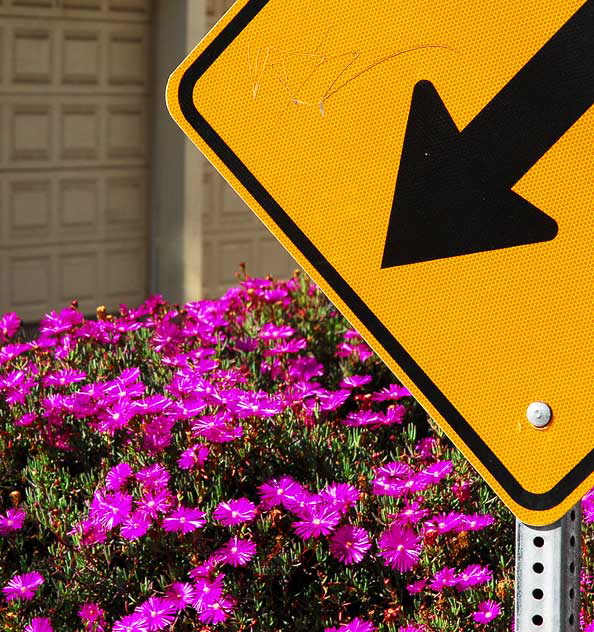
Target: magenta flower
(394, 391)
(13, 521)
(89, 531)
(91, 612)
(236, 552)
(23, 586)
(348, 544)
(64, 377)
(355, 381)
(180, 594)
(446, 577)
(475, 522)
(26, 419)
(235, 512)
(436, 472)
(356, 625)
(276, 490)
(400, 548)
(473, 575)
(154, 477)
(110, 510)
(316, 520)
(134, 622)
(207, 591)
(363, 418)
(487, 611)
(39, 624)
(117, 476)
(216, 611)
(184, 520)
(135, 526)
(416, 587)
(9, 325)
(411, 513)
(444, 523)
(154, 503)
(340, 496)
(193, 457)
(271, 331)
(301, 501)
(158, 613)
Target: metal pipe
(548, 561)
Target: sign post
(429, 165)
(548, 575)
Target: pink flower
(154, 477)
(216, 611)
(355, 381)
(416, 587)
(340, 496)
(207, 591)
(235, 512)
(270, 331)
(275, 491)
(110, 510)
(356, 625)
(158, 612)
(13, 521)
(487, 611)
(90, 612)
(134, 622)
(348, 544)
(39, 624)
(180, 594)
(9, 325)
(117, 476)
(446, 577)
(193, 457)
(23, 586)
(473, 575)
(317, 520)
(236, 552)
(444, 523)
(135, 526)
(400, 548)
(475, 522)
(154, 503)
(184, 520)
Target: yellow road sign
(429, 164)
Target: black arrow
(453, 192)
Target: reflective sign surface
(430, 166)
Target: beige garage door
(232, 233)
(74, 100)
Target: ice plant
(244, 462)
(487, 611)
(235, 511)
(400, 548)
(23, 586)
(349, 544)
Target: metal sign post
(548, 575)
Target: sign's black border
(523, 497)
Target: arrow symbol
(453, 192)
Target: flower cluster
(245, 462)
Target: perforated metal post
(548, 575)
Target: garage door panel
(116, 10)
(40, 55)
(75, 131)
(74, 103)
